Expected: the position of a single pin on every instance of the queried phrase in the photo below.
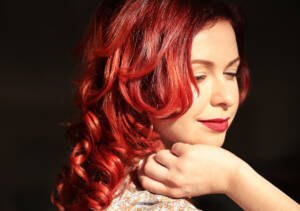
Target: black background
(37, 38)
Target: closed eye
(232, 75)
(200, 77)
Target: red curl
(136, 67)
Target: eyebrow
(211, 64)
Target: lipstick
(219, 125)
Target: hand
(188, 170)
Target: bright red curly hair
(136, 67)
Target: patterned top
(132, 197)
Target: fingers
(162, 189)
(152, 185)
(153, 169)
(166, 158)
(179, 148)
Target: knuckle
(176, 180)
(161, 153)
(176, 147)
(181, 166)
(190, 153)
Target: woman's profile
(162, 82)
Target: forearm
(254, 193)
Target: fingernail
(140, 163)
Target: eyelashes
(202, 77)
(232, 74)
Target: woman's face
(215, 60)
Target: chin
(203, 138)
(214, 141)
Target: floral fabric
(131, 197)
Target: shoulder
(134, 198)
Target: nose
(222, 94)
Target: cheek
(173, 130)
(167, 128)
(195, 94)
(162, 127)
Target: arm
(252, 192)
(194, 170)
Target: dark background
(37, 68)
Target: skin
(193, 162)
(219, 93)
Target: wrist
(236, 172)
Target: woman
(156, 72)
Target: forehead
(215, 43)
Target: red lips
(219, 125)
